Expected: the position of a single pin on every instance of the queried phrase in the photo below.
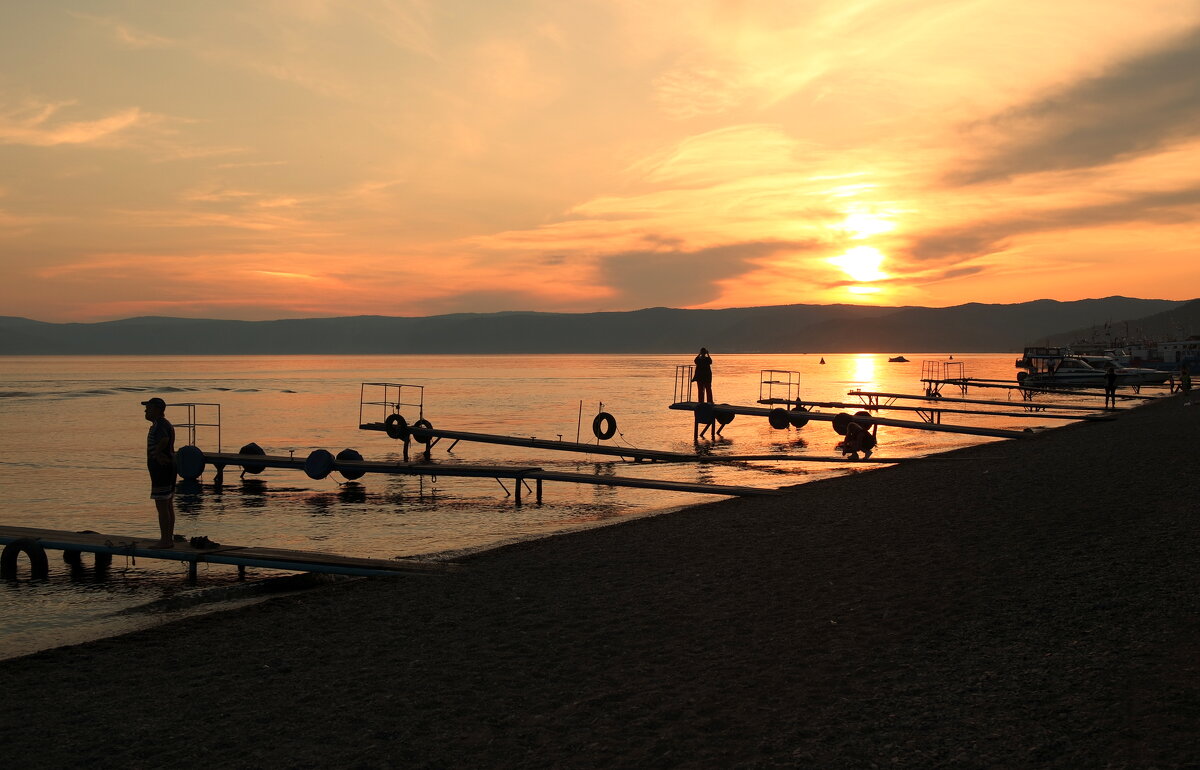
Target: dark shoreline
(1032, 605)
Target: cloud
(1164, 207)
(683, 278)
(125, 34)
(1137, 107)
(34, 126)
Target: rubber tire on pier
(798, 422)
(318, 464)
(189, 462)
(252, 449)
(778, 418)
(840, 422)
(725, 416)
(349, 456)
(39, 566)
(705, 413)
(604, 426)
(420, 431)
(397, 427)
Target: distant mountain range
(966, 328)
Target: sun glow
(862, 224)
(861, 263)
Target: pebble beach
(1027, 603)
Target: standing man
(1185, 384)
(160, 460)
(1110, 386)
(703, 377)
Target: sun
(860, 263)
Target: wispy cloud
(35, 125)
(1137, 106)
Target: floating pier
(35, 542)
(625, 453)
(872, 399)
(320, 463)
(927, 412)
(799, 417)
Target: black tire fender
(420, 431)
(397, 427)
(778, 418)
(604, 426)
(39, 565)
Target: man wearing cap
(160, 460)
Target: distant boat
(898, 360)
(822, 359)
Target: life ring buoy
(349, 456)
(420, 431)
(39, 566)
(604, 426)
(396, 427)
(778, 418)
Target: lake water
(72, 437)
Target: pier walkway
(240, 556)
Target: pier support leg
(539, 491)
(241, 572)
(517, 490)
(192, 571)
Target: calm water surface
(72, 439)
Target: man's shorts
(162, 482)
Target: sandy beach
(1016, 604)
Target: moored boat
(1059, 367)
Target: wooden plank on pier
(250, 556)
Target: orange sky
(310, 158)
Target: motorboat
(1059, 367)
(898, 360)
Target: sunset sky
(254, 160)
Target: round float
(346, 456)
(318, 464)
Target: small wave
(19, 394)
(246, 390)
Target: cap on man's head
(156, 402)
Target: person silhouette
(1110, 386)
(160, 461)
(703, 377)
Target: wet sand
(1014, 604)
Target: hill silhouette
(972, 327)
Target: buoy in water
(318, 464)
(347, 456)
